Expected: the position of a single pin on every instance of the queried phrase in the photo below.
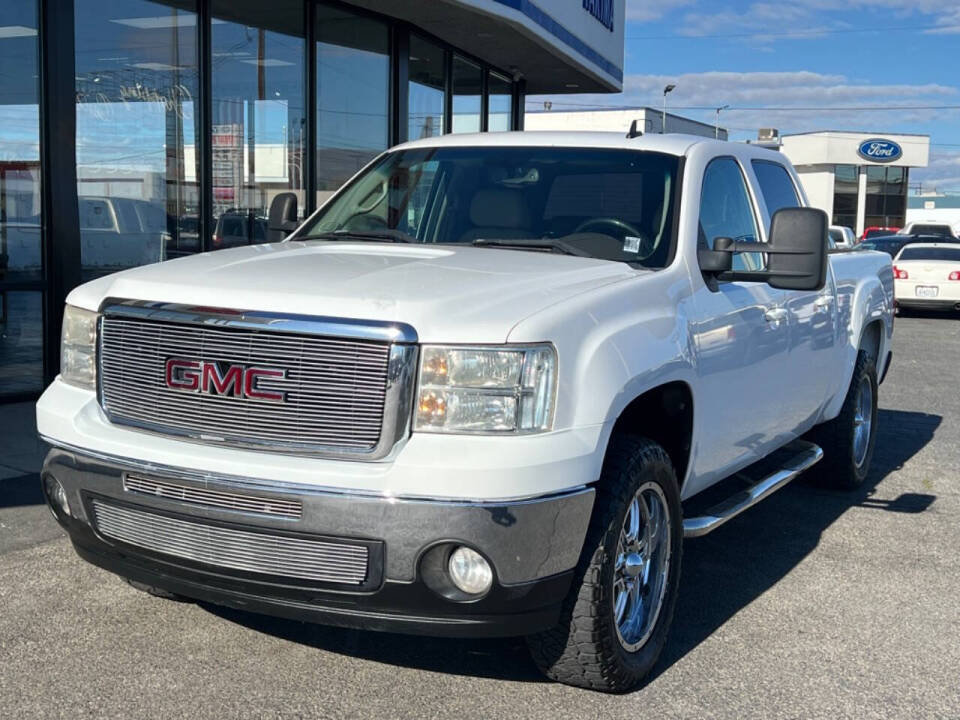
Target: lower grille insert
(226, 547)
(206, 497)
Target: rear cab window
(777, 188)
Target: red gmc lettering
(229, 383)
(182, 374)
(216, 379)
(251, 390)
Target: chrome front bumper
(161, 534)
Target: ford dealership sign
(879, 150)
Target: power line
(783, 108)
(812, 32)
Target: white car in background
(843, 237)
(927, 275)
(928, 228)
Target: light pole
(663, 116)
(716, 125)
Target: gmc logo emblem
(212, 378)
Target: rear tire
(848, 440)
(616, 617)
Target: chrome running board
(801, 455)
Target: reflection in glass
(353, 95)
(846, 187)
(259, 121)
(467, 90)
(499, 113)
(20, 258)
(136, 160)
(426, 90)
(21, 342)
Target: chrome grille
(231, 548)
(335, 388)
(206, 497)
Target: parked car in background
(116, 233)
(892, 244)
(236, 227)
(843, 237)
(927, 275)
(875, 230)
(928, 228)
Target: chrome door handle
(824, 302)
(775, 315)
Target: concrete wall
(817, 181)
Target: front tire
(616, 618)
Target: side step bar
(803, 455)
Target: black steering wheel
(646, 246)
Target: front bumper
(532, 545)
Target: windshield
(609, 204)
(928, 253)
(943, 230)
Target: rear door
(811, 315)
(740, 336)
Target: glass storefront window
(353, 95)
(20, 257)
(136, 81)
(846, 187)
(259, 120)
(467, 92)
(886, 201)
(21, 312)
(500, 107)
(426, 92)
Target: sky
(839, 60)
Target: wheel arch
(663, 414)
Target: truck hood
(448, 294)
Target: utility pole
(663, 115)
(716, 125)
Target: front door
(741, 340)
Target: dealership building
(133, 131)
(860, 179)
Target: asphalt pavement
(814, 604)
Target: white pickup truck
(479, 392)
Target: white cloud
(649, 10)
(943, 172)
(697, 93)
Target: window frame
(752, 200)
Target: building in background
(935, 208)
(132, 131)
(859, 178)
(649, 120)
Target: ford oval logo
(879, 150)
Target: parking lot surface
(812, 604)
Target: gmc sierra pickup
(481, 391)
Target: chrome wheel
(862, 421)
(641, 567)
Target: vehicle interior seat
(498, 213)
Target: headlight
(78, 348)
(496, 389)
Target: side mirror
(798, 249)
(796, 252)
(283, 216)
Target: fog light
(56, 493)
(469, 571)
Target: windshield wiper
(533, 243)
(386, 235)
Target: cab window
(776, 187)
(726, 211)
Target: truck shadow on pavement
(20, 491)
(732, 567)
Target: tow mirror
(796, 253)
(283, 216)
